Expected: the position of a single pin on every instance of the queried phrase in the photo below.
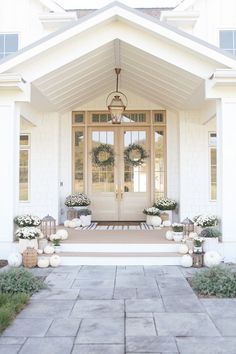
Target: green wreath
(139, 151)
(103, 155)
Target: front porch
(192, 83)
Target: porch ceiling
(92, 75)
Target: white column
(9, 173)
(226, 184)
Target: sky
(92, 4)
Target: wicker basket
(30, 258)
(164, 216)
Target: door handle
(117, 193)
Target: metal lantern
(188, 226)
(48, 226)
(71, 214)
(198, 260)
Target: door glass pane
(78, 161)
(135, 177)
(213, 159)
(159, 164)
(24, 175)
(102, 176)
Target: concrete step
(120, 258)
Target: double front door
(119, 191)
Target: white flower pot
(177, 236)
(170, 213)
(155, 220)
(24, 244)
(57, 249)
(148, 219)
(210, 244)
(42, 243)
(82, 207)
(86, 220)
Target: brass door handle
(117, 193)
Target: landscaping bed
(16, 287)
(3, 263)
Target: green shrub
(216, 281)
(19, 281)
(210, 232)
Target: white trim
(52, 5)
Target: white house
(57, 69)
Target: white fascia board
(180, 17)
(11, 81)
(52, 6)
(225, 77)
(57, 17)
(130, 16)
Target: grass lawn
(10, 305)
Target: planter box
(24, 244)
(153, 220)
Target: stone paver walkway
(117, 310)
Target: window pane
(24, 140)
(78, 118)
(213, 172)
(226, 39)
(24, 175)
(78, 161)
(159, 164)
(11, 43)
(1, 43)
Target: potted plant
(211, 238)
(198, 241)
(28, 237)
(85, 216)
(78, 201)
(167, 205)
(177, 232)
(56, 240)
(27, 220)
(152, 216)
(203, 221)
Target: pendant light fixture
(114, 102)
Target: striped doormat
(96, 226)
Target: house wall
(44, 165)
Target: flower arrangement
(151, 211)
(210, 232)
(28, 233)
(198, 241)
(27, 220)
(77, 199)
(206, 220)
(176, 227)
(56, 239)
(165, 204)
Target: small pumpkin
(166, 223)
(192, 235)
(186, 261)
(77, 221)
(39, 251)
(49, 250)
(14, 260)
(212, 259)
(55, 260)
(66, 223)
(72, 224)
(169, 235)
(183, 248)
(63, 234)
(43, 262)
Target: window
(212, 141)
(159, 162)
(227, 40)
(24, 167)
(8, 44)
(78, 149)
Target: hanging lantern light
(115, 103)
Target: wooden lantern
(198, 260)
(48, 226)
(188, 226)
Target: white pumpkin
(72, 224)
(169, 235)
(192, 235)
(49, 250)
(39, 251)
(166, 223)
(41, 236)
(66, 223)
(78, 222)
(14, 259)
(186, 261)
(52, 237)
(63, 234)
(55, 260)
(212, 259)
(183, 248)
(43, 262)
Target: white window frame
(226, 29)
(210, 147)
(12, 32)
(28, 148)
